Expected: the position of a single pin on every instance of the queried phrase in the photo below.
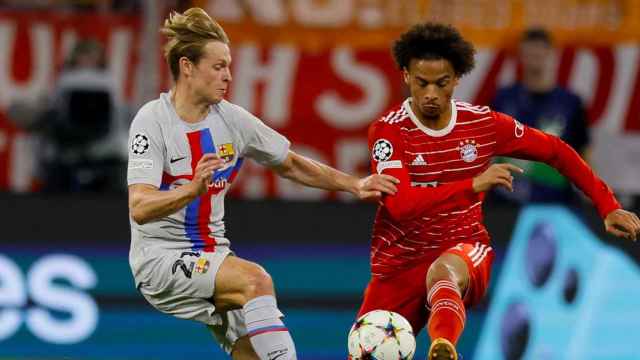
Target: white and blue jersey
(164, 151)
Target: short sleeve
(146, 150)
(261, 143)
(386, 148)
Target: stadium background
(319, 72)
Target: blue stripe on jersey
(206, 141)
(191, 225)
(228, 172)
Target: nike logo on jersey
(419, 160)
(176, 159)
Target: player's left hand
(372, 186)
(623, 223)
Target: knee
(259, 283)
(445, 270)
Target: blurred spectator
(538, 101)
(90, 5)
(81, 130)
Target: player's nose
(430, 93)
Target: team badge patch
(202, 265)
(468, 150)
(140, 144)
(226, 152)
(382, 150)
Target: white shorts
(181, 283)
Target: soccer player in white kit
(186, 148)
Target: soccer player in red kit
(430, 252)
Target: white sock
(268, 335)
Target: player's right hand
(203, 176)
(373, 186)
(495, 175)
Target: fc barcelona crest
(202, 265)
(468, 150)
(226, 152)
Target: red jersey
(435, 207)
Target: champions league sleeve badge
(468, 150)
(140, 144)
(382, 150)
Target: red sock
(447, 311)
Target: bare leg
(242, 350)
(449, 267)
(246, 285)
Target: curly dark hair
(433, 41)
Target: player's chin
(431, 112)
(215, 99)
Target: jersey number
(186, 270)
(180, 264)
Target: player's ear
(456, 80)
(186, 66)
(405, 76)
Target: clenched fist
(623, 223)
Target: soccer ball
(381, 335)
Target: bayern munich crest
(382, 150)
(468, 150)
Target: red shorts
(406, 292)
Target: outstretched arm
(516, 140)
(311, 173)
(387, 156)
(148, 203)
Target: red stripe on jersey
(203, 215)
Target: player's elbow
(139, 216)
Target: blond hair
(188, 33)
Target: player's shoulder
(235, 116)
(395, 115)
(152, 113)
(390, 120)
(228, 108)
(468, 109)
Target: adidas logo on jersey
(419, 160)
